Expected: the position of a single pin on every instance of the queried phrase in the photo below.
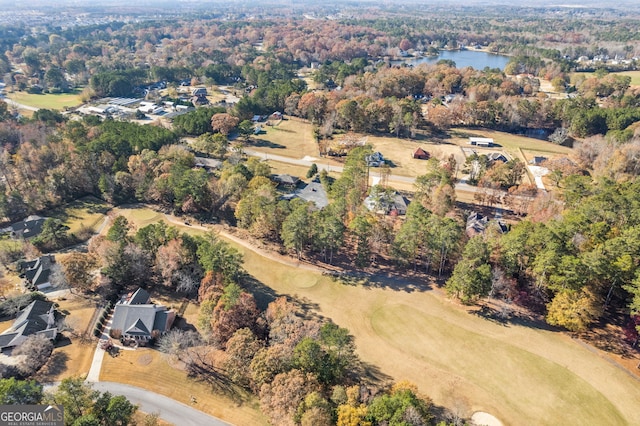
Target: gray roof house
(375, 160)
(477, 224)
(140, 320)
(37, 318)
(312, 192)
(36, 272)
(386, 203)
(27, 228)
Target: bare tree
(176, 342)
(186, 283)
(57, 277)
(36, 349)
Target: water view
(463, 58)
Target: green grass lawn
(523, 374)
(87, 212)
(47, 100)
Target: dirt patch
(145, 359)
(485, 419)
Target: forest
(570, 255)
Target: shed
(421, 154)
(482, 142)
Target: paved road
(168, 409)
(19, 106)
(307, 162)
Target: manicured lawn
(148, 368)
(522, 373)
(635, 77)
(48, 101)
(141, 216)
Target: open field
(292, 137)
(48, 101)
(400, 151)
(520, 371)
(635, 76)
(148, 368)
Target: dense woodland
(574, 256)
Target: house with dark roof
(39, 317)
(496, 156)
(36, 272)
(478, 223)
(285, 180)
(27, 228)
(136, 319)
(538, 160)
(199, 91)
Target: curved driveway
(168, 409)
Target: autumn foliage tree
(224, 123)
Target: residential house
(199, 91)
(39, 317)
(36, 272)
(384, 202)
(138, 320)
(312, 192)
(209, 164)
(199, 100)
(477, 224)
(286, 181)
(26, 228)
(496, 156)
(375, 160)
(421, 154)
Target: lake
(463, 58)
